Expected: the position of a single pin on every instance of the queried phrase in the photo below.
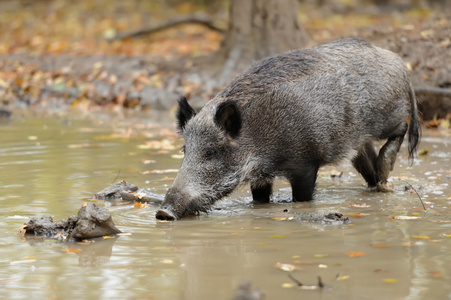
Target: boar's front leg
(303, 183)
(261, 191)
(387, 157)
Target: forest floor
(56, 54)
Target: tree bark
(257, 29)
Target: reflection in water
(93, 253)
(50, 167)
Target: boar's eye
(209, 153)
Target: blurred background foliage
(83, 27)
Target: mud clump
(90, 222)
(127, 192)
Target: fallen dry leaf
(139, 205)
(343, 277)
(167, 261)
(25, 261)
(405, 217)
(380, 245)
(380, 271)
(285, 267)
(436, 274)
(424, 152)
(300, 262)
(355, 254)
(283, 218)
(23, 229)
(364, 205)
(421, 237)
(73, 250)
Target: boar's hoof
(386, 187)
(164, 214)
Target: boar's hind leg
(387, 155)
(303, 184)
(261, 191)
(365, 163)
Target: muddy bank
(90, 222)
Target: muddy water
(51, 165)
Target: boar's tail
(414, 127)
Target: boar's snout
(166, 214)
(168, 210)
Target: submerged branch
(424, 207)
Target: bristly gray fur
(297, 111)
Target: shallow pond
(51, 165)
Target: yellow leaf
(287, 285)
(420, 237)
(390, 280)
(277, 236)
(424, 152)
(409, 66)
(321, 255)
(108, 237)
(344, 277)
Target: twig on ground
(193, 19)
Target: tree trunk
(257, 29)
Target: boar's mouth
(165, 215)
(169, 212)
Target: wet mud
(128, 192)
(90, 222)
(325, 218)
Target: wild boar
(290, 114)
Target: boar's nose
(165, 213)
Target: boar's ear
(184, 113)
(228, 118)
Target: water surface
(51, 165)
